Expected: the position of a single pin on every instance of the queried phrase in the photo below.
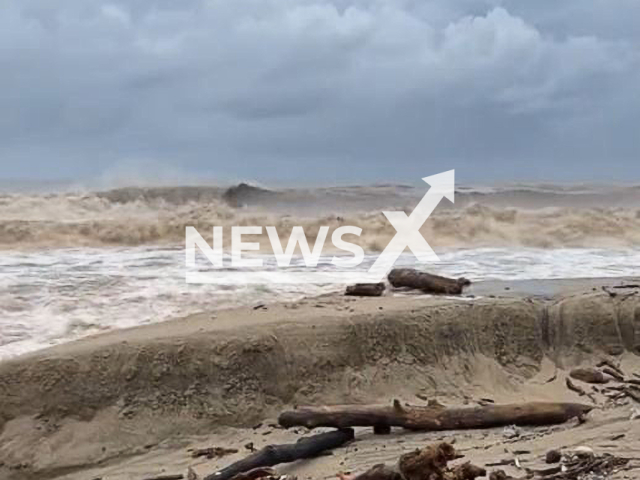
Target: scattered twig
(212, 452)
(178, 476)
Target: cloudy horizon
(320, 91)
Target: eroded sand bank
(126, 404)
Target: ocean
(76, 263)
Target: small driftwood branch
(212, 452)
(272, 455)
(366, 289)
(429, 418)
(588, 375)
(178, 476)
(428, 283)
(613, 373)
(608, 363)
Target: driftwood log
(271, 455)
(433, 418)
(365, 289)
(588, 375)
(428, 283)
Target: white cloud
(201, 82)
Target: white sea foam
(53, 296)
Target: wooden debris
(429, 418)
(272, 455)
(500, 475)
(254, 474)
(431, 463)
(633, 394)
(366, 289)
(428, 283)
(380, 472)
(466, 471)
(613, 373)
(211, 452)
(553, 456)
(578, 466)
(588, 375)
(579, 390)
(608, 363)
(178, 476)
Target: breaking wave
(526, 217)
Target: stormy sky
(320, 91)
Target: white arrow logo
(408, 227)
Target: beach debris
(254, 474)
(211, 452)
(510, 432)
(431, 462)
(379, 471)
(583, 452)
(366, 289)
(428, 463)
(177, 476)
(632, 393)
(500, 475)
(605, 362)
(430, 419)
(191, 474)
(613, 373)
(428, 283)
(588, 375)
(635, 414)
(553, 456)
(579, 390)
(579, 463)
(271, 455)
(501, 463)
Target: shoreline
(96, 400)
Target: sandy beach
(226, 223)
(128, 404)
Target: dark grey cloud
(321, 90)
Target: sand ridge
(105, 399)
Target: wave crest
(129, 217)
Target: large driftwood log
(408, 277)
(275, 454)
(433, 418)
(365, 289)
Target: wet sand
(127, 404)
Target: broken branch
(275, 454)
